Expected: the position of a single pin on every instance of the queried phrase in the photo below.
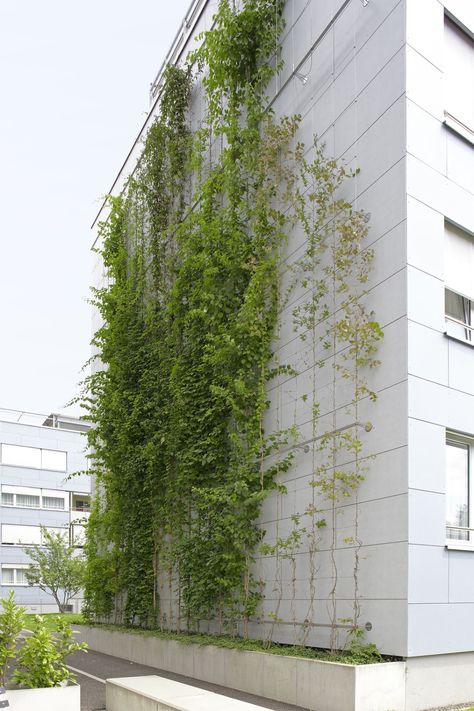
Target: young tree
(56, 567)
(12, 620)
(41, 660)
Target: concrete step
(142, 692)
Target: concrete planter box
(312, 684)
(58, 698)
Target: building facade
(388, 87)
(39, 455)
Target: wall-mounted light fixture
(302, 77)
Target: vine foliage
(192, 253)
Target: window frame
(39, 493)
(15, 567)
(43, 453)
(4, 503)
(53, 508)
(458, 244)
(467, 327)
(64, 530)
(454, 438)
(452, 120)
(25, 504)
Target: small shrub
(42, 658)
(12, 620)
(359, 651)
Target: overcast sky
(74, 80)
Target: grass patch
(250, 645)
(49, 620)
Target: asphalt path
(93, 668)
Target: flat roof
(37, 419)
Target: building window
(81, 504)
(21, 576)
(15, 535)
(18, 535)
(56, 461)
(14, 575)
(28, 501)
(7, 499)
(53, 502)
(8, 576)
(459, 458)
(459, 281)
(34, 458)
(32, 497)
(459, 76)
(459, 316)
(78, 535)
(24, 497)
(21, 456)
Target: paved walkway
(93, 668)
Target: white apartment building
(388, 87)
(38, 454)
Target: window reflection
(458, 309)
(457, 490)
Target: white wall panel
(427, 518)
(426, 456)
(383, 520)
(375, 154)
(441, 405)
(344, 38)
(461, 369)
(459, 204)
(424, 83)
(427, 353)
(387, 475)
(389, 624)
(382, 91)
(425, 238)
(425, 29)
(436, 627)
(425, 299)
(461, 576)
(426, 184)
(367, 20)
(426, 137)
(381, 46)
(460, 161)
(428, 574)
(439, 177)
(384, 572)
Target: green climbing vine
(344, 335)
(326, 297)
(128, 394)
(193, 252)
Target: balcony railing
(459, 329)
(465, 535)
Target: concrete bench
(154, 693)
